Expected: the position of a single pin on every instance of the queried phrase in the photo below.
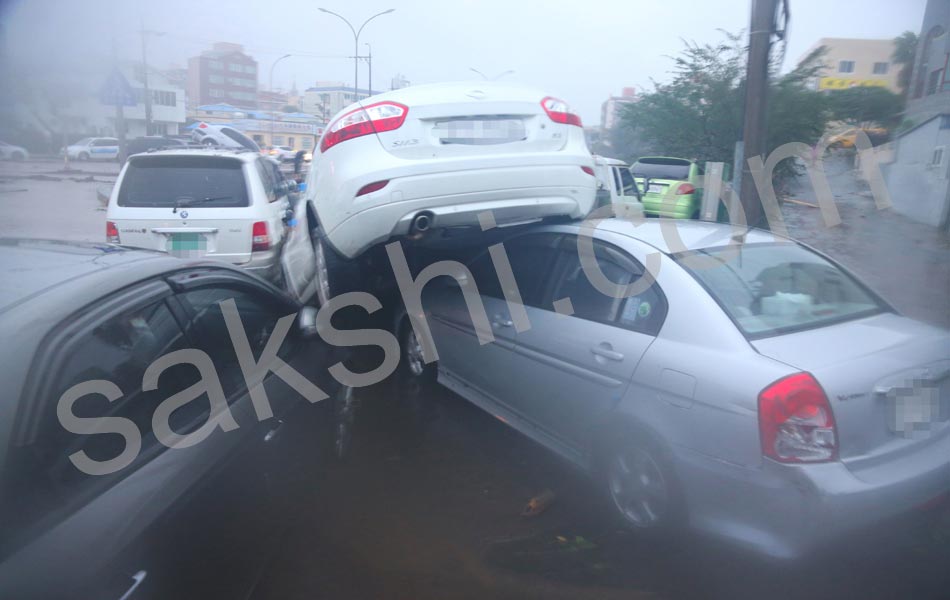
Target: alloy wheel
(638, 488)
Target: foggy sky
(580, 51)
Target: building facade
(327, 98)
(610, 109)
(929, 92)
(850, 62)
(223, 74)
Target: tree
(866, 107)
(905, 51)
(698, 115)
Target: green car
(671, 187)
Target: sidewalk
(908, 263)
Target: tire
(209, 142)
(83, 156)
(335, 275)
(639, 484)
(413, 369)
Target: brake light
(260, 238)
(560, 112)
(796, 424)
(112, 233)
(588, 170)
(203, 126)
(685, 188)
(372, 187)
(375, 118)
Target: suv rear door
(188, 205)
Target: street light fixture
(270, 88)
(356, 44)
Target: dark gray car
(179, 522)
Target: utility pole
(369, 60)
(756, 105)
(148, 95)
(270, 88)
(356, 45)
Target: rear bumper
(784, 511)
(455, 198)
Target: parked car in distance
(71, 313)
(670, 187)
(11, 152)
(615, 185)
(154, 142)
(103, 148)
(421, 159)
(749, 388)
(282, 153)
(228, 205)
(221, 135)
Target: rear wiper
(180, 204)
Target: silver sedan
(742, 384)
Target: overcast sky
(580, 51)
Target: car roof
(665, 158)
(695, 235)
(57, 277)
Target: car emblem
(476, 94)
(184, 214)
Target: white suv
(231, 205)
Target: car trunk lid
(887, 379)
(469, 119)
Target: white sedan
(425, 158)
(11, 152)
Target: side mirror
(307, 322)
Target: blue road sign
(116, 90)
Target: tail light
(796, 424)
(375, 118)
(112, 233)
(369, 188)
(559, 112)
(685, 188)
(260, 238)
(588, 170)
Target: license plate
(655, 189)
(915, 410)
(480, 132)
(187, 245)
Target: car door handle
(137, 580)
(501, 321)
(606, 351)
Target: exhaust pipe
(420, 223)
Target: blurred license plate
(479, 132)
(655, 189)
(187, 245)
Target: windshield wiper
(180, 204)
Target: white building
(327, 98)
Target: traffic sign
(116, 90)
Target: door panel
(297, 257)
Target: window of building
(933, 81)
(250, 69)
(236, 68)
(215, 79)
(215, 93)
(880, 68)
(846, 66)
(306, 143)
(215, 64)
(290, 142)
(937, 159)
(277, 140)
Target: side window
(486, 278)
(644, 312)
(626, 179)
(278, 177)
(118, 350)
(531, 258)
(618, 186)
(258, 316)
(267, 179)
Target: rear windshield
(770, 289)
(661, 168)
(170, 181)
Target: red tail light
(559, 112)
(685, 188)
(375, 118)
(796, 424)
(588, 170)
(260, 238)
(372, 187)
(112, 233)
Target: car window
(119, 350)
(573, 283)
(532, 258)
(267, 179)
(769, 289)
(616, 177)
(169, 181)
(661, 168)
(628, 185)
(240, 138)
(486, 278)
(258, 315)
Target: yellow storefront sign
(843, 83)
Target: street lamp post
(356, 44)
(270, 88)
(147, 93)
